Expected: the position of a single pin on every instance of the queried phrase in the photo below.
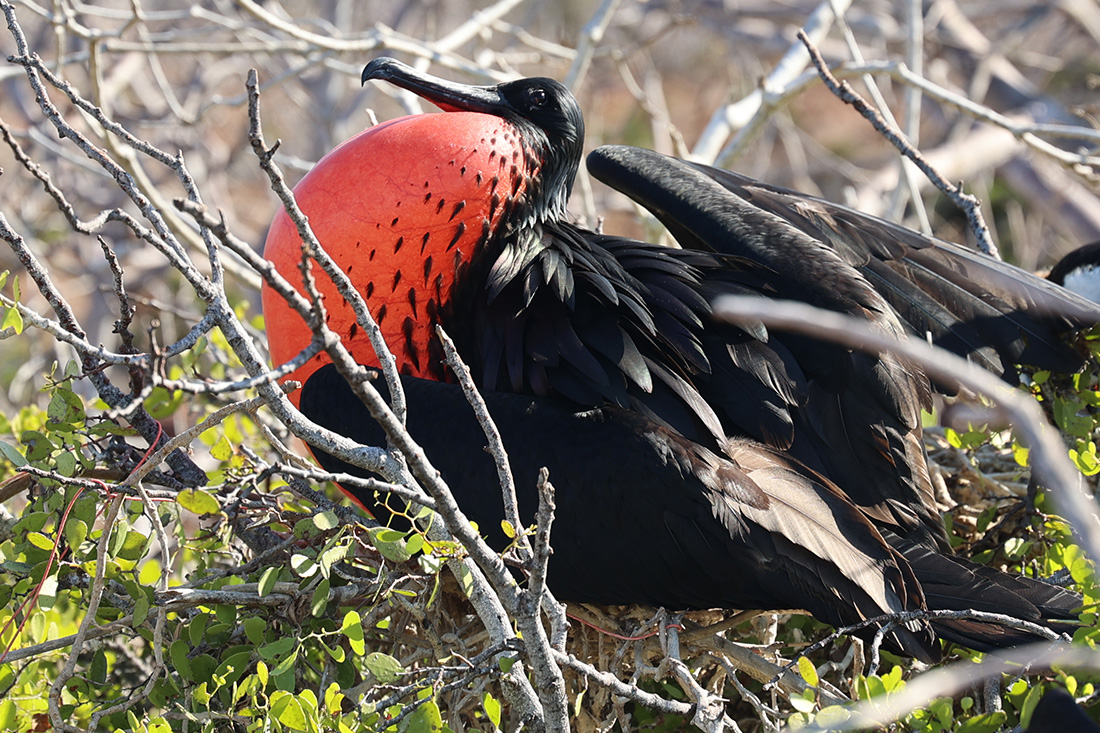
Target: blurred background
(681, 77)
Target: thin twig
(496, 444)
(98, 580)
(970, 205)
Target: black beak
(447, 95)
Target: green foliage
(284, 667)
(1073, 405)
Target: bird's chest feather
(403, 210)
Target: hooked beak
(447, 95)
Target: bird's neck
(432, 279)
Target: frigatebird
(698, 464)
(1079, 271)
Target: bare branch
(964, 201)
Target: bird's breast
(402, 208)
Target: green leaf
(288, 711)
(158, 725)
(141, 610)
(942, 708)
(505, 664)
(97, 672)
(1067, 414)
(986, 518)
(267, 581)
(66, 463)
(1015, 546)
(13, 320)
(394, 551)
(47, 592)
(832, 717)
(336, 652)
(38, 445)
(254, 628)
(333, 699)
(426, 719)
(326, 520)
(85, 509)
(320, 599)
(1021, 454)
(805, 702)
(234, 665)
(118, 538)
(286, 665)
(303, 565)
(197, 628)
(76, 531)
(178, 653)
(133, 546)
(222, 450)
(1034, 694)
(40, 540)
(203, 666)
(7, 714)
(352, 627)
(161, 403)
(330, 557)
(384, 667)
(198, 501)
(492, 708)
(988, 723)
(66, 408)
(32, 522)
(305, 528)
(1085, 458)
(12, 454)
(808, 671)
(277, 648)
(385, 534)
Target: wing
(974, 305)
(604, 320)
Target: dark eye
(536, 98)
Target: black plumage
(697, 461)
(646, 516)
(1078, 271)
(1058, 712)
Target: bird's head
(544, 112)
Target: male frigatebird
(697, 464)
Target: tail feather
(955, 584)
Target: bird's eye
(536, 98)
